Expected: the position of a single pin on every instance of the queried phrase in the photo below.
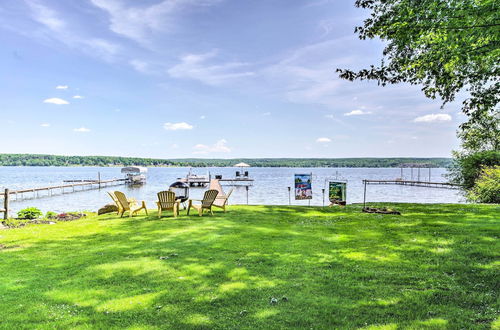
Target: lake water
(270, 185)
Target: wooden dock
(427, 184)
(70, 187)
(202, 182)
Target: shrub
(467, 168)
(29, 213)
(487, 187)
(51, 215)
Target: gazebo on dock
(241, 165)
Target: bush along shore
(32, 215)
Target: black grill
(181, 191)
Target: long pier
(90, 184)
(71, 185)
(427, 184)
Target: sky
(204, 79)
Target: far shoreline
(117, 161)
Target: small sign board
(337, 192)
(303, 186)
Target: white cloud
(137, 23)
(219, 146)
(46, 16)
(306, 73)
(433, 117)
(323, 140)
(78, 97)
(81, 130)
(330, 116)
(203, 117)
(139, 65)
(266, 114)
(58, 30)
(357, 112)
(45, 125)
(177, 126)
(62, 87)
(100, 48)
(195, 66)
(56, 100)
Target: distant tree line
(53, 160)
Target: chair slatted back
(221, 200)
(113, 197)
(209, 198)
(166, 199)
(122, 199)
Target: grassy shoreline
(435, 266)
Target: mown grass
(435, 266)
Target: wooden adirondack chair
(126, 205)
(206, 203)
(118, 205)
(115, 200)
(166, 201)
(221, 200)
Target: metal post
(6, 204)
(411, 173)
(289, 197)
(429, 174)
(401, 173)
(309, 204)
(364, 196)
(246, 187)
(418, 174)
(99, 179)
(323, 191)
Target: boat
(194, 180)
(135, 174)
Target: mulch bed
(68, 216)
(50, 221)
(380, 211)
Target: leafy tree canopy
(447, 46)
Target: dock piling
(364, 196)
(6, 197)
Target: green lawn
(435, 266)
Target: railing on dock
(427, 184)
(20, 194)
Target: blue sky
(204, 78)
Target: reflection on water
(270, 185)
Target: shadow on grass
(430, 267)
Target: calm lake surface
(270, 186)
